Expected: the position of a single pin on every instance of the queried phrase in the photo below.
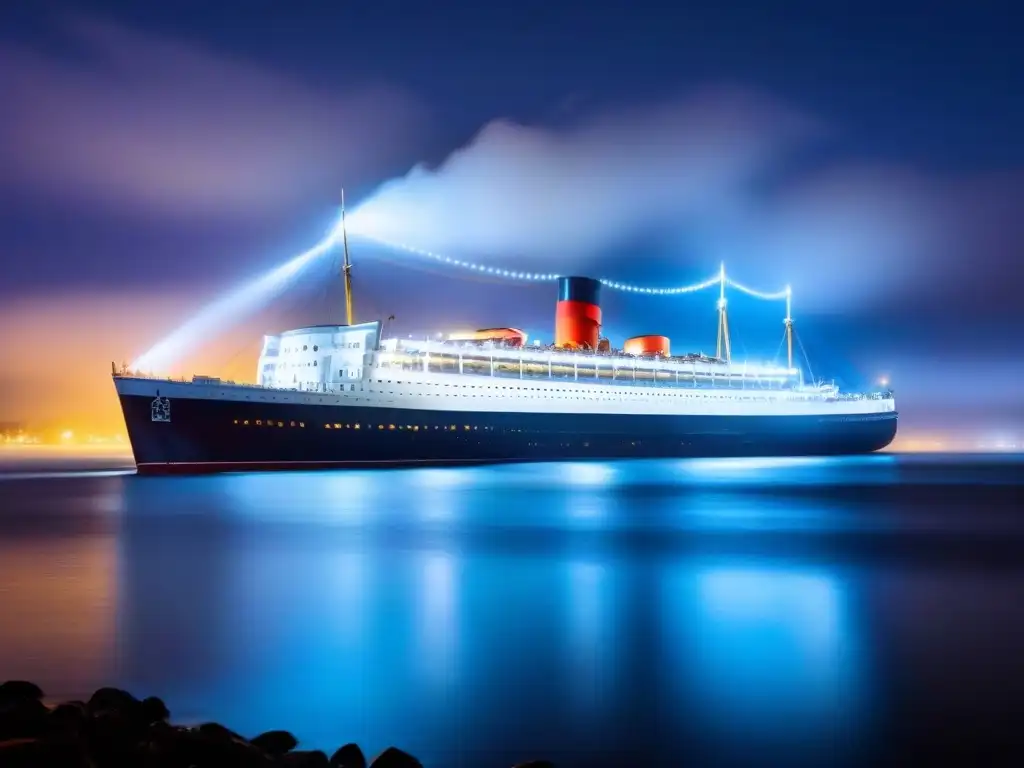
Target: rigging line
(324, 297)
(285, 311)
(778, 351)
(743, 345)
(807, 358)
(229, 307)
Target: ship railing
(581, 367)
(553, 356)
(861, 396)
(492, 345)
(749, 389)
(618, 377)
(748, 385)
(194, 380)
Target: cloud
(144, 124)
(733, 176)
(845, 235)
(520, 189)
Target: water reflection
(594, 614)
(57, 609)
(768, 655)
(592, 638)
(461, 650)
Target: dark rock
(32, 753)
(275, 742)
(115, 729)
(23, 719)
(349, 756)
(22, 753)
(169, 744)
(392, 757)
(64, 753)
(67, 719)
(153, 709)
(218, 731)
(113, 699)
(19, 690)
(113, 738)
(203, 747)
(303, 759)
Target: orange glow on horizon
(59, 350)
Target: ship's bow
(149, 420)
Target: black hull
(219, 435)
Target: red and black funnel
(578, 313)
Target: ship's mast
(789, 327)
(723, 322)
(346, 269)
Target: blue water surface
(710, 612)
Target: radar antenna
(346, 269)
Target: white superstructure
(345, 365)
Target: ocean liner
(344, 396)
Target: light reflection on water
(576, 611)
(768, 639)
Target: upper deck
(352, 361)
(497, 360)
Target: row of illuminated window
(390, 427)
(587, 394)
(316, 347)
(269, 423)
(410, 427)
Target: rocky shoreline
(114, 728)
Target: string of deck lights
(481, 268)
(484, 269)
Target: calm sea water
(708, 612)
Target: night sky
(155, 155)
